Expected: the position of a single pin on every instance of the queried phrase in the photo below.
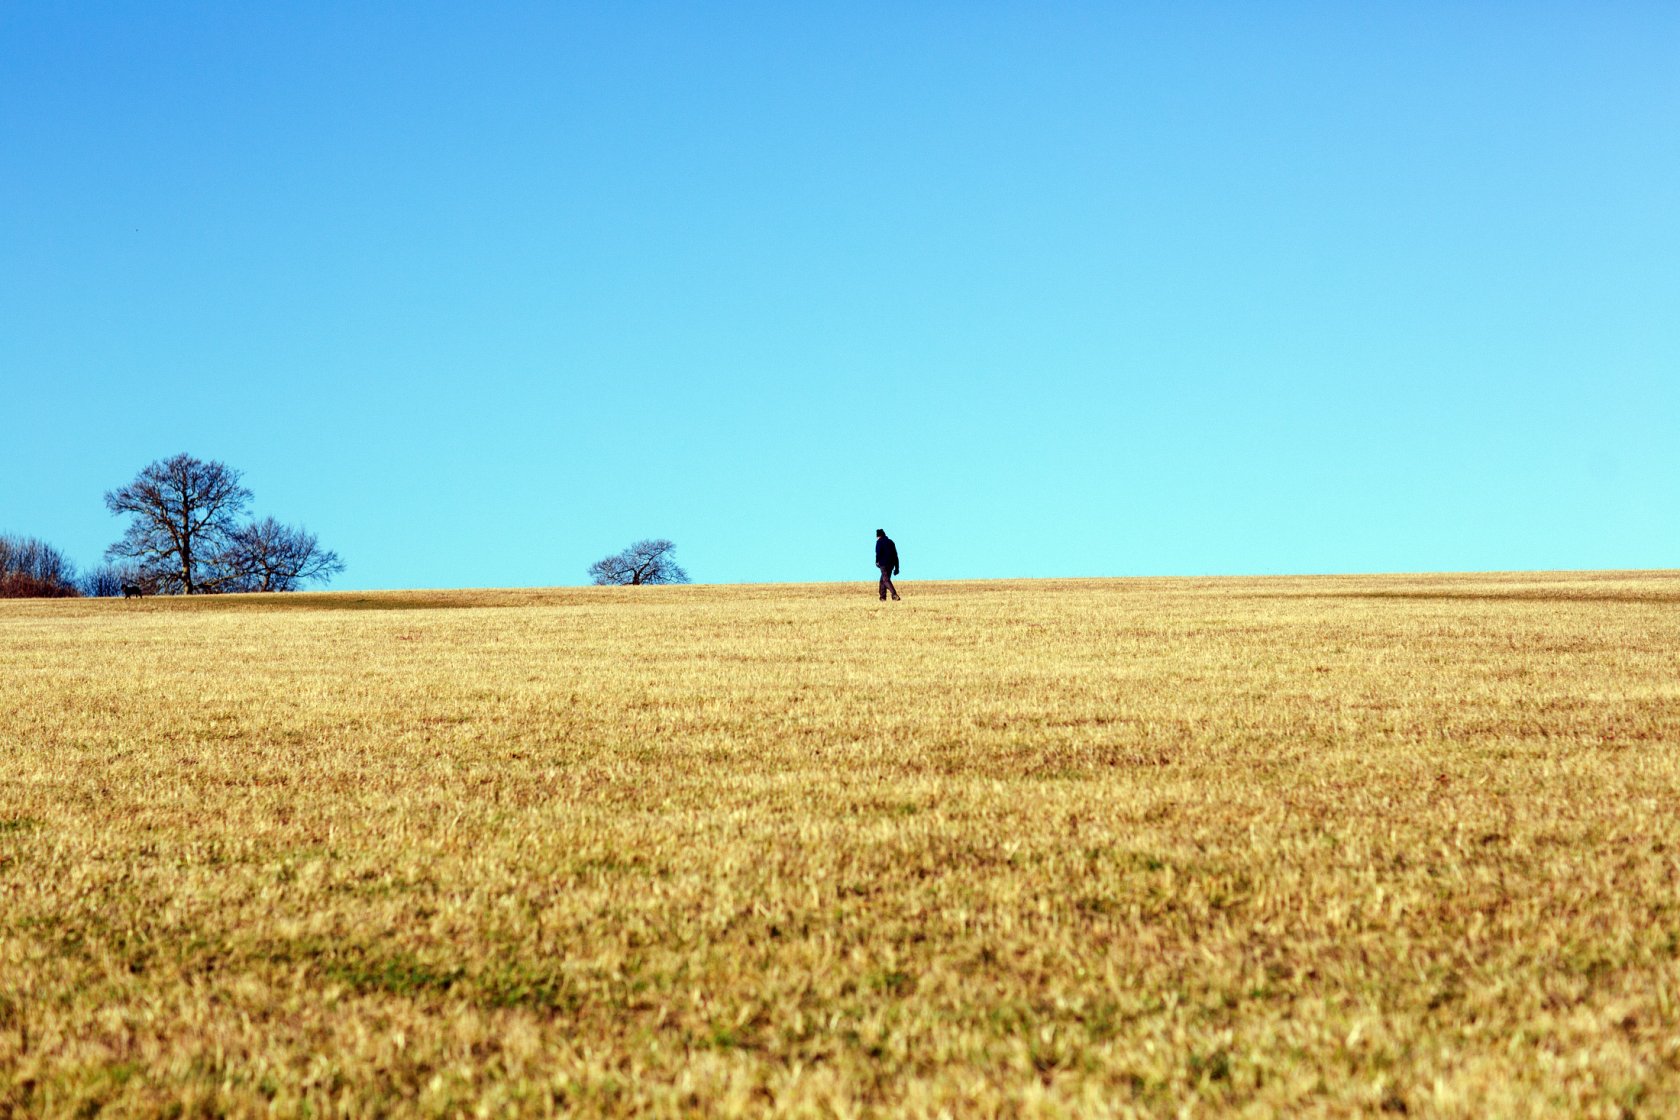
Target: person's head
(880, 532)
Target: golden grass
(1330, 846)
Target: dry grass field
(1316, 847)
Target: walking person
(886, 559)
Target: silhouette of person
(886, 559)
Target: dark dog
(132, 591)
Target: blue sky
(482, 292)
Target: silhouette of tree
(186, 536)
(268, 556)
(185, 512)
(643, 562)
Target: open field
(1327, 846)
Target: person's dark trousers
(886, 582)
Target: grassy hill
(1328, 845)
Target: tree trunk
(186, 553)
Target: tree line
(189, 533)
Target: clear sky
(482, 292)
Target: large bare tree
(643, 562)
(268, 556)
(185, 511)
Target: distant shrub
(15, 586)
(34, 569)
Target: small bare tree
(643, 562)
(268, 556)
(185, 513)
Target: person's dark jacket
(886, 554)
